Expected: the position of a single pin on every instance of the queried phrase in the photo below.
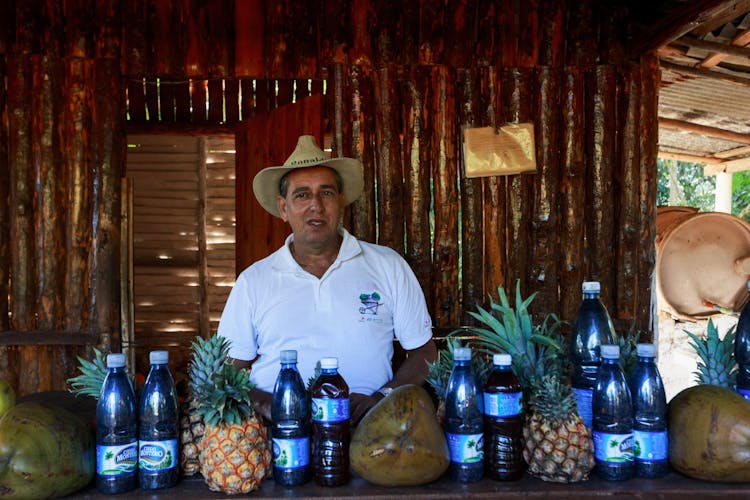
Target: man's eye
(328, 194)
(301, 195)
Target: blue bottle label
(614, 448)
(745, 393)
(291, 453)
(330, 409)
(465, 448)
(583, 401)
(650, 446)
(116, 460)
(502, 404)
(155, 456)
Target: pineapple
(209, 356)
(93, 372)
(558, 444)
(716, 365)
(234, 452)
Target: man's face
(313, 206)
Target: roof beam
(728, 166)
(689, 16)
(716, 57)
(721, 48)
(705, 73)
(702, 160)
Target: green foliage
(693, 188)
(717, 364)
(438, 372)
(93, 372)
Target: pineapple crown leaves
(553, 398)
(209, 355)
(628, 349)
(91, 379)
(535, 350)
(717, 364)
(226, 398)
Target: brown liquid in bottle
(330, 421)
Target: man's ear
(281, 206)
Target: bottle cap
(329, 363)
(158, 357)
(502, 359)
(289, 356)
(115, 360)
(610, 351)
(591, 286)
(646, 350)
(462, 354)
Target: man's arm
(412, 371)
(261, 399)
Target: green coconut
(400, 441)
(45, 452)
(709, 434)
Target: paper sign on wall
(506, 150)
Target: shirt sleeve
(236, 323)
(412, 324)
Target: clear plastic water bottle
(742, 350)
(116, 431)
(158, 431)
(613, 419)
(291, 425)
(503, 422)
(650, 448)
(464, 429)
(330, 421)
(592, 328)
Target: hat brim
(266, 182)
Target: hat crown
(306, 152)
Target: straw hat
(307, 154)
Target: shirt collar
(350, 248)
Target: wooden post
(363, 144)
(204, 320)
(495, 188)
(4, 209)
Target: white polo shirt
(367, 297)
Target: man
(324, 293)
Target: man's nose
(317, 201)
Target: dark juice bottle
(503, 422)
(116, 431)
(330, 422)
(742, 350)
(158, 431)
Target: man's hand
(360, 404)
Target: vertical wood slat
(285, 94)
(552, 29)
(649, 146)
(628, 227)
(249, 39)
(199, 94)
(518, 92)
(215, 101)
(388, 161)
(572, 184)
(545, 223)
(167, 111)
(443, 146)
(495, 256)
(5, 211)
(204, 320)
(23, 272)
(152, 101)
(136, 101)
(418, 117)
(231, 97)
(339, 113)
(247, 96)
(50, 203)
(182, 101)
(363, 141)
(166, 28)
(108, 145)
(21, 192)
(136, 44)
(600, 201)
(77, 144)
(207, 51)
(469, 104)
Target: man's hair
(284, 182)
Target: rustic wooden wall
(404, 77)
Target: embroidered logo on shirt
(370, 303)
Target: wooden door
(262, 141)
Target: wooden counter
(673, 486)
